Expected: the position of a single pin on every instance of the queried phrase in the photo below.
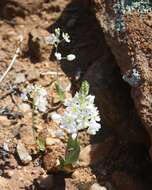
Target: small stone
(20, 78)
(69, 184)
(96, 186)
(33, 74)
(45, 182)
(50, 141)
(26, 135)
(4, 121)
(23, 153)
(24, 107)
(94, 153)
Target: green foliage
(41, 143)
(72, 153)
(60, 92)
(84, 88)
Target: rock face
(129, 36)
(11, 8)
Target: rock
(24, 107)
(4, 121)
(113, 99)
(26, 135)
(50, 141)
(83, 177)
(122, 181)
(33, 74)
(69, 184)
(20, 78)
(132, 50)
(12, 8)
(52, 156)
(96, 186)
(45, 182)
(38, 49)
(94, 153)
(23, 154)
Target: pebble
(23, 153)
(96, 186)
(24, 107)
(20, 78)
(33, 74)
(90, 154)
(51, 141)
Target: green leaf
(60, 92)
(41, 143)
(73, 150)
(84, 88)
(72, 153)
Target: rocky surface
(132, 50)
(117, 158)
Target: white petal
(71, 57)
(74, 136)
(56, 117)
(58, 56)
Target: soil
(123, 160)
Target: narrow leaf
(60, 92)
(41, 143)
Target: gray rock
(20, 78)
(23, 153)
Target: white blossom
(24, 96)
(52, 39)
(56, 117)
(66, 37)
(58, 32)
(80, 113)
(71, 57)
(38, 95)
(58, 56)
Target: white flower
(57, 32)
(66, 37)
(24, 96)
(39, 96)
(56, 117)
(71, 57)
(80, 113)
(52, 39)
(58, 56)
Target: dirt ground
(117, 165)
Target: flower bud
(58, 56)
(71, 57)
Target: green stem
(33, 120)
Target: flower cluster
(55, 39)
(38, 95)
(80, 113)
